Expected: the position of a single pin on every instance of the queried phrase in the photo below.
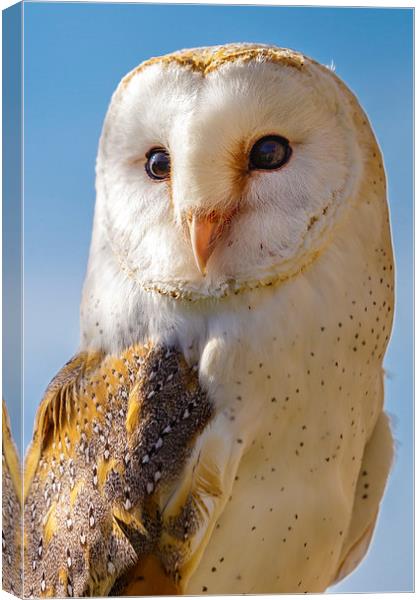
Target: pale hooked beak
(204, 232)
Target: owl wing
(376, 464)
(111, 440)
(11, 511)
(189, 516)
(191, 512)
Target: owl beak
(204, 232)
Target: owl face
(215, 172)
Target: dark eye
(158, 163)
(270, 152)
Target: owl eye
(270, 152)
(158, 164)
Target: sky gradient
(75, 55)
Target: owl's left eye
(270, 152)
(158, 164)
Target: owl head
(221, 169)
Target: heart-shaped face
(220, 169)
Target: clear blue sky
(75, 54)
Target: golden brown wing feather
(11, 511)
(112, 435)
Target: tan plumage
(11, 511)
(111, 435)
(375, 467)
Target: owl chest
(274, 376)
(300, 402)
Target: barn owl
(241, 228)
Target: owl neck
(119, 310)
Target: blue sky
(75, 54)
